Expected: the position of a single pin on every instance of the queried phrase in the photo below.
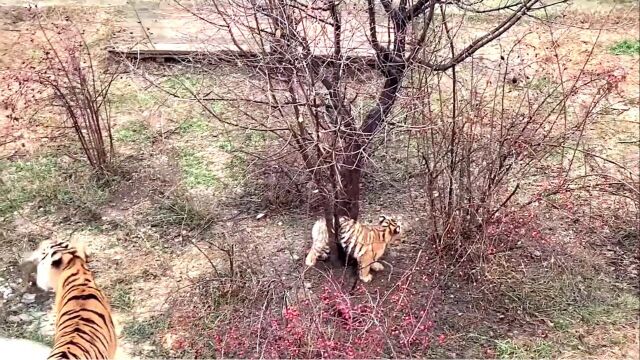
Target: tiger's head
(51, 258)
(391, 228)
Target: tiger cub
(365, 243)
(84, 327)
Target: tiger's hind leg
(376, 266)
(311, 258)
(323, 254)
(317, 254)
(364, 263)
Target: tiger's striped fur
(84, 327)
(365, 243)
(319, 247)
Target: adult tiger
(365, 243)
(84, 327)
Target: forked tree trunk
(347, 202)
(348, 199)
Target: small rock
(279, 223)
(24, 317)
(537, 253)
(5, 291)
(13, 319)
(260, 216)
(307, 285)
(28, 298)
(295, 257)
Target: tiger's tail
(320, 246)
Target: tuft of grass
(84, 195)
(561, 324)
(34, 334)
(542, 349)
(31, 332)
(255, 138)
(195, 170)
(145, 330)
(616, 312)
(44, 183)
(509, 349)
(195, 126)
(135, 132)
(626, 47)
(236, 169)
(183, 85)
(127, 96)
(22, 182)
(572, 296)
(177, 209)
(226, 146)
(121, 298)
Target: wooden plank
(168, 31)
(226, 55)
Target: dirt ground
(189, 243)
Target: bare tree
(309, 57)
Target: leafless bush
(491, 129)
(63, 75)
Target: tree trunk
(348, 200)
(393, 68)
